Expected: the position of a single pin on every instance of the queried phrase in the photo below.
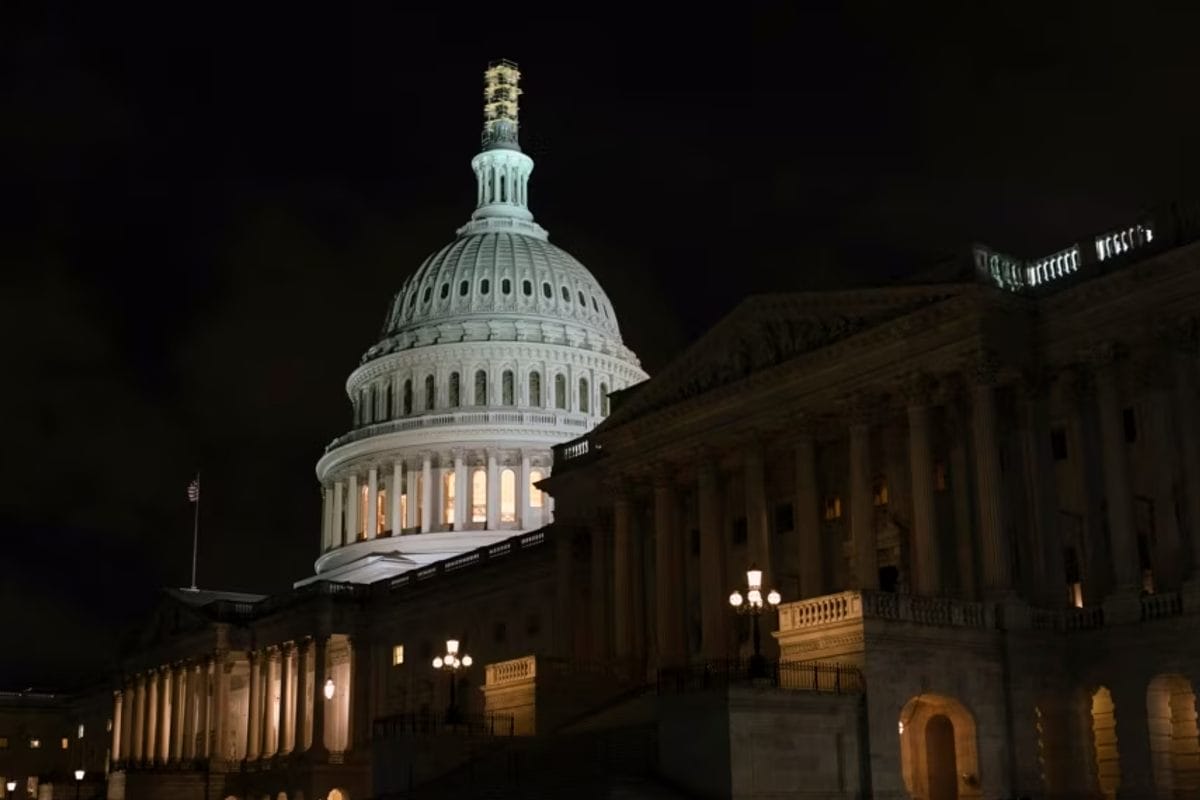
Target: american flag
(194, 490)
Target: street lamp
(329, 688)
(11, 786)
(450, 664)
(78, 781)
(752, 604)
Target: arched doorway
(337, 794)
(1104, 741)
(939, 755)
(940, 762)
(1174, 740)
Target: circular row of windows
(506, 288)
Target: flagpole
(195, 530)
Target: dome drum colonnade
(498, 347)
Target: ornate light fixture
(451, 663)
(329, 688)
(752, 604)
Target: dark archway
(941, 762)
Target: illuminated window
(397, 655)
(66, 743)
(381, 511)
(880, 491)
(481, 397)
(833, 507)
(479, 496)
(79, 733)
(583, 395)
(535, 389)
(35, 744)
(448, 499)
(454, 398)
(507, 394)
(604, 399)
(508, 496)
(430, 393)
(535, 494)
(362, 512)
(408, 396)
(560, 391)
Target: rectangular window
(1058, 443)
(508, 496)
(784, 521)
(479, 496)
(880, 491)
(65, 743)
(35, 744)
(1129, 418)
(833, 507)
(3, 742)
(739, 530)
(397, 655)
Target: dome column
(397, 524)
(526, 518)
(371, 522)
(461, 492)
(352, 509)
(493, 492)
(426, 493)
(338, 516)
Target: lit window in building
(3, 742)
(448, 499)
(507, 393)
(939, 476)
(535, 388)
(481, 398)
(430, 393)
(880, 491)
(454, 393)
(604, 399)
(65, 743)
(535, 494)
(381, 511)
(403, 521)
(361, 533)
(833, 507)
(79, 733)
(560, 391)
(397, 655)
(35, 744)
(583, 395)
(508, 496)
(479, 496)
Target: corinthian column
(1117, 489)
(712, 573)
(254, 708)
(758, 533)
(993, 542)
(862, 509)
(668, 591)
(927, 578)
(806, 513)
(622, 575)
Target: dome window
(527, 288)
(547, 291)
(430, 393)
(479, 496)
(595, 307)
(583, 395)
(481, 398)
(535, 389)
(484, 286)
(507, 394)
(454, 393)
(582, 302)
(463, 288)
(506, 286)
(412, 301)
(566, 294)
(560, 392)
(428, 294)
(445, 290)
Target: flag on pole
(194, 491)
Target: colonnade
(954, 443)
(455, 490)
(278, 700)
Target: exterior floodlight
(329, 688)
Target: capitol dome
(500, 346)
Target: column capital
(1034, 382)
(982, 367)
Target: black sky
(207, 209)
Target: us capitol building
(960, 517)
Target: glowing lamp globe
(466, 661)
(735, 599)
(437, 662)
(79, 774)
(773, 597)
(329, 688)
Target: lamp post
(450, 664)
(752, 604)
(11, 786)
(78, 781)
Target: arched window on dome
(506, 286)
(481, 398)
(566, 294)
(463, 288)
(504, 187)
(484, 286)
(508, 496)
(535, 494)
(408, 396)
(507, 393)
(560, 391)
(547, 291)
(535, 389)
(454, 390)
(595, 307)
(583, 395)
(479, 495)
(527, 288)
(604, 399)
(389, 408)
(428, 294)
(582, 301)
(367, 400)
(430, 393)
(448, 498)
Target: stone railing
(472, 558)
(943, 611)
(1158, 606)
(1066, 619)
(461, 417)
(515, 671)
(1111, 245)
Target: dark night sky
(206, 211)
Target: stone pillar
(127, 720)
(149, 746)
(758, 530)
(601, 572)
(326, 518)
(254, 708)
(1117, 489)
(371, 523)
(426, 493)
(164, 715)
(960, 484)
(204, 702)
(622, 572)
(353, 524)
(179, 711)
(714, 643)
(318, 749)
(300, 734)
(339, 527)
(1187, 438)
(927, 577)
(993, 541)
(1167, 556)
(862, 507)
(395, 522)
(220, 709)
(118, 700)
(462, 492)
(139, 720)
(668, 591)
(527, 519)
(493, 492)
(806, 515)
(411, 519)
(271, 704)
(286, 680)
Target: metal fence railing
(428, 724)
(797, 676)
